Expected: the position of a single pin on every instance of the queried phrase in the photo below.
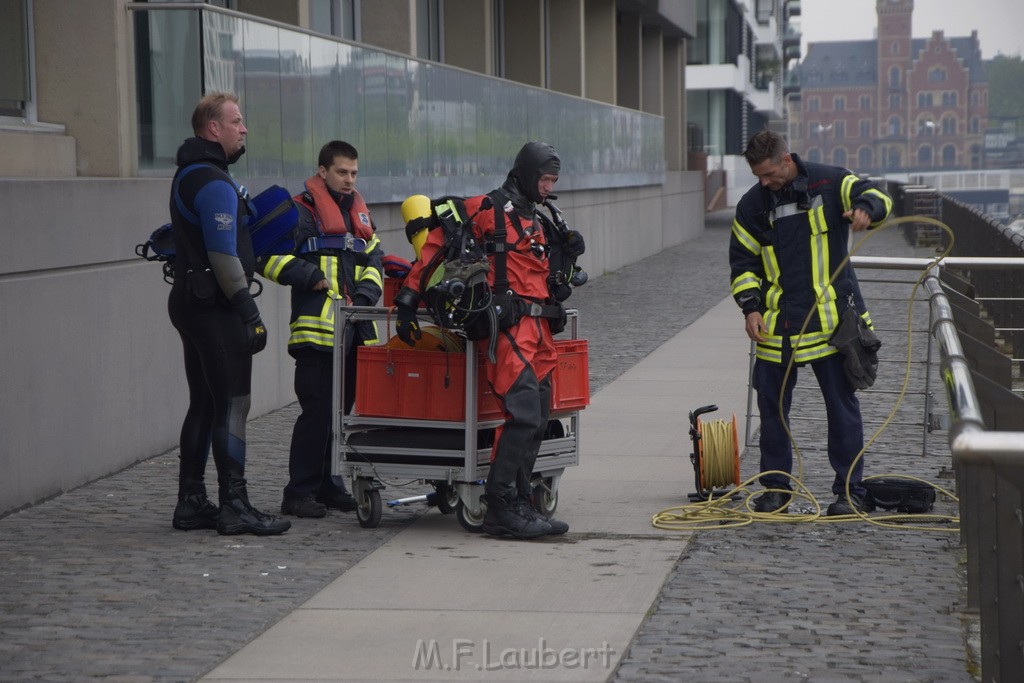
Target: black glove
(858, 345)
(407, 327)
(256, 332)
(574, 244)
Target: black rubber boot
(513, 516)
(237, 516)
(194, 510)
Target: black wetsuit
(215, 258)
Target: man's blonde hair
(209, 109)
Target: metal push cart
(451, 455)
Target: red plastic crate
(406, 383)
(391, 287)
(570, 382)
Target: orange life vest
(327, 213)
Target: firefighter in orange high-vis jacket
(507, 223)
(337, 253)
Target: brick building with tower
(896, 104)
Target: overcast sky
(1000, 23)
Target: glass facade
(419, 127)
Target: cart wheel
(369, 509)
(474, 524)
(545, 496)
(447, 497)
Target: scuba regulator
(565, 247)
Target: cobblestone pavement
(95, 583)
(822, 601)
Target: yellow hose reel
(716, 454)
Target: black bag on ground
(903, 495)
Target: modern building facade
(893, 105)
(735, 78)
(438, 95)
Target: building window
(15, 92)
(949, 98)
(839, 103)
(894, 101)
(813, 103)
(974, 98)
(949, 156)
(840, 130)
(865, 128)
(335, 17)
(937, 74)
(498, 12)
(924, 155)
(865, 102)
(894, 125)
(865, 158)
(894, 48)
(814, 155)
(924, 99)
(975, 124)
(949, 125)
(894, 160)
(894, 77)
(839, 156)
(925, 127)
(429, 30)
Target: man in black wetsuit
(219, 323)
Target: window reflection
(419, 126)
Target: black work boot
(238, 516)
(557, 527)
(302, 506)
(334, 496)
(194, 510)
(513, 516)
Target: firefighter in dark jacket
(337, 254)
(525, 353)
(219, 323)
(791, 231)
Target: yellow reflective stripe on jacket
(771, 273)
(329, 266)
(308, 329)
(846, 191)
(886, 199)
(274, 266)
(745, 238)
(821, 270)
(362, 274)
(809, 354)
(745, 281)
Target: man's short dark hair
(334, 149)
(765, 144)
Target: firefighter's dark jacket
(785, 247)
(354, 275)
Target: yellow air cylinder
(416, 212)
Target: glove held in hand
(407, 327)
(858, 345)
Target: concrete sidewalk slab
(438, 603)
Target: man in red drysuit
(525, 356)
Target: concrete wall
(92, 368)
